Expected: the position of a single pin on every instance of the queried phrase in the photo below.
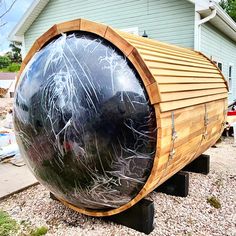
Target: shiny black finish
(84, 123)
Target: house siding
(220, 48)
(165, 20)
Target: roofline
(225, 17)
(14, 35)
(38, 5)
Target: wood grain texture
(180, 83)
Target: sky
(12, 18)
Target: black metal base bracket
(139, 217)
(200, 165)
(177, 185)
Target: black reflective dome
(84, 123)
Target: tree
(15, 53)
(230, 7)
(4, 62)
(2, 14)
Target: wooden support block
(139, 217)
(177, 185)
(199, 165)
(53, 197)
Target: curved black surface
(84, 123)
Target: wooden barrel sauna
(165, 106)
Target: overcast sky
(12, 18)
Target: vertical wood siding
(165, 20)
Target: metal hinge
(206, 122)
(173, 137)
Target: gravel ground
(192, 215)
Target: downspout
(198, 23)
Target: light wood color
(184, 87)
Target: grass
(214, 202)
(8, 226)
(39, 231)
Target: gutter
(197, 27)
(225, 17)
(211, 16)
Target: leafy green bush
(13, 67)
(4, 62)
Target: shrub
(13, 67)
(4, 62)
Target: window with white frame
(230, 76)
(219, 64)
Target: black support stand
(200, 165)
(139, 217)
(52, 196)
(177, 185)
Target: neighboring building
(201, 25)
(7, 84)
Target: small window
(230, 77)
(219, 64)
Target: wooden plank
(93, 27)
(186, 133)
(162, 72)
(226, 83)
(210, 105)
(164, 97)
(189, 113)
(47, 36)
(150, 58)
(153, 93)
(193, 121)
(142, 68)
(189, 87)
(114, 37)
(145, 53)
(31, 52)
(159, 65)
(168, 106)
(163, 50)
(187, 80)
(72, 25)
(181, 153)
(186, 150)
